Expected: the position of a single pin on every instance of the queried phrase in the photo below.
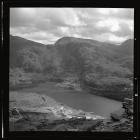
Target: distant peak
(65, 40)
(128, 41)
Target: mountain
(127, 47)
(99, 65)
(102, 57)
(107, 69)
(126, 54)
(17, 45)
(30, 55)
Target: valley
(79, 75)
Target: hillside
(106, 69)
(97, 64)
(31, 56)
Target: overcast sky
(46, 25)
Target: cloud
(107, 11)
(111, 24)
(46, 25)
(110, 38)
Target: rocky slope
(34, 112)
(29, 110)
(121, 120)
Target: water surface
(77, 99)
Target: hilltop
(105, 69)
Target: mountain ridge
(67, 37)
(93, 63)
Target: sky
(47, 25)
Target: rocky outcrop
(31, 111)
(117, 115)
(122, 120)
(125, 112)
(34, 112)
(128, 106)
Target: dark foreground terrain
(33, 112)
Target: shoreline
(32, 107)
(34, 112)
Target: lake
(77, 99)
